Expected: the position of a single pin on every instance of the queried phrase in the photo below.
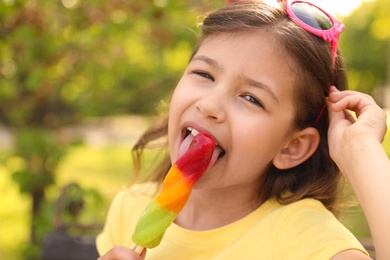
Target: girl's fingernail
(333, 88)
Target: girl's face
(239, 88)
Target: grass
(107, 169)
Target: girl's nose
(212, 106)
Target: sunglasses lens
(312, 16)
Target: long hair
(318, 177)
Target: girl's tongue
(186, 144)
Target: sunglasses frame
(331, 35)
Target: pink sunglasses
(314, 20)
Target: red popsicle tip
(197, 158)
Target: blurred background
(81, 80)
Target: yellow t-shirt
(301, 230)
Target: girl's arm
(355, 146)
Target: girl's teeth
(194, 132)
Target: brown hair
(318, 177)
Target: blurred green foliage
(64, 60)
(365, 45)
(76, 58)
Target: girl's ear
(299, 148)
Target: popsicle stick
(138, 249)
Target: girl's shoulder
(305, 212)
(147, 189)
(304, 206)
(137, 194)
(308, 226)
(308, 204)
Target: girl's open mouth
(188, 135)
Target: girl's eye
(204, 75)
(253, 100)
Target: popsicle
(177, 186)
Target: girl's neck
(210, 209)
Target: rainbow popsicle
(162, 211)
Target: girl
(258, 83)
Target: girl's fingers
(122, 253)
(335, 94)
(336, 115)
(369, 116)
(349, 116)
(359, 103)
(351, 101)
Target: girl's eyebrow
(247, 80)
(258, 84)
(208, 60)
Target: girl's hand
(346, 132)
(355, 146)
(122, 253)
